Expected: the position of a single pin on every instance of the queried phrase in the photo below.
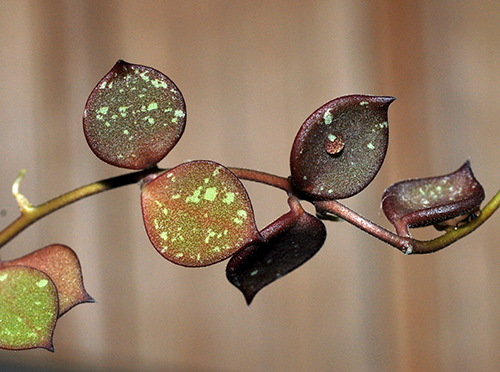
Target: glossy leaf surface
(427, 201)
(134, 116)
(290, 241)
(61, 264)
(28, 308)
(340, 148)
(197, 214)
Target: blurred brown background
(251, 72)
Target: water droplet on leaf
(334, 143)
(340, 148)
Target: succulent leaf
(134, 116)
(288, 243)
(61, 264)
(427, 201)
(198, 213)
(28, 308)
(340, 148)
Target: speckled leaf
(198, 214)
(28, 309)
(134, 116)
(427, 201)
(61, 264)
(290, 241)
(340, 148)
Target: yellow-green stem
(31, 214)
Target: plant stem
(404, 244)
(30, 214)
(262, 177)
(409, 245)
(453, 234)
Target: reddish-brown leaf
(427, 201)
(198, 213)
(134, 116)
(61, 264)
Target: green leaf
(427, 201)
(28, 309)
(288, 243)
(197, 214)
(134, 116)
(340, 148)
(61, 264)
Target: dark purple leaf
(340, 147)
(427, 201)
(134, 116)
(288, 243)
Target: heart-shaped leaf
(198, 213)
(134, 116)
(427, 201)
(28, 309)
(61, 264)
(340, 148)
(290, 241)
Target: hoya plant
(199, 213)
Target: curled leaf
(288, 243)
(340, 148)
(427, 201)
(28, 309)
(134, 116)
(197, 214)
(61, 264)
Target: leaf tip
(88, 299)
(249, 297)
(49, 347)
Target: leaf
(61, 264)
(197, 214)
(28, 309)
(340, 148)
(427, 201)
(134, 116)
(290, 241)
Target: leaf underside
(427, 201)
(134, 116)
(197, 214)
(340, 148)
(288, 243)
